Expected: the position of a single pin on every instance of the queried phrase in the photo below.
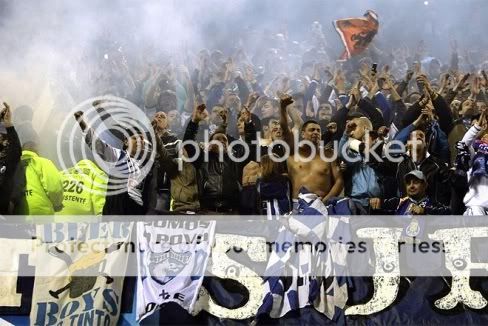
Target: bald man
(363, 178)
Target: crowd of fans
(437, 109)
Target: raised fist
(332, 127)
(200, 113)
(285, 100)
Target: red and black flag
(357, 33)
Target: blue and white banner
(79, 279)
(172, 260)
(292, 280)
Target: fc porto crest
(413, 229)
(165, 266)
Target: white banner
(172, 259)
(79, 282)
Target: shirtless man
(320, 177)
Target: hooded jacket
(44, 188)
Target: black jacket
(218, 181)
(437, 173)
(9, 159)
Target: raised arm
(250, 135)
(285, 101)
(452, 93)
(403, 85)
(441, 107)
(368, 108)
(199, 114)
(398, 107)
(106, 152)
(404, 133)
(296, 118)
(470, 135)
(382, 103)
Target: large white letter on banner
(224, 267)
(386, 278)
(457, 245)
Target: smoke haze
(52, 51)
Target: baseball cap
(416, 174)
